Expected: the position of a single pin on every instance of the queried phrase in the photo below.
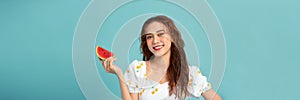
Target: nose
(155, 39)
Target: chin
(160, 53)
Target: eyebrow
(156, 32)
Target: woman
(164, 63)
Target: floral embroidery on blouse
(136, 77)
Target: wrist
(119, 73)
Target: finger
(101, 61)
(114, 59)
(105, 64)
(108, 65)
(109, 59)
(111, 63)
(112, 67)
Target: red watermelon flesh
(103, 53)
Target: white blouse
(137, 82)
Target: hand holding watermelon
(107, 58)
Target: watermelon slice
(103, 53)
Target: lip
(158, 47)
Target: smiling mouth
(156, 48)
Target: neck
(161, 61)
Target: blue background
(261, 37)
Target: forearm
(124, 89)
(211, 95)
(216, 97)
(114, 69)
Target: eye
(160, 34)
(148, 37)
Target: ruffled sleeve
(133, 76)
(197, 82)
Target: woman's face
(158, 38)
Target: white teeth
(158, 47)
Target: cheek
(166, 38)
(148, 43)
(168, 43)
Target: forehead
(154, 27)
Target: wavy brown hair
(178, 71)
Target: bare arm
(124, 90)
(111, 68)
(211, 95)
